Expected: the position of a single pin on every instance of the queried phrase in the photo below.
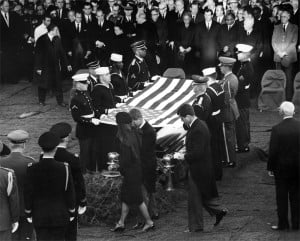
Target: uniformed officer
(118, 79)
(83, 113)
(138, 71)
(202, 104)
(245, 76)
(10, 206)
(103, 99)
(63, 130)
(231, 113)
(49, 192)
(215, 120)
(92, 78)
(18, 162)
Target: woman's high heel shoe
(148, 227)
(118, 228)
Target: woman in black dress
(130, 168)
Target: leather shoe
(118, 228)
(230, 164)
(278, 228)
(220, 216)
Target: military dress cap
(226, 61)
(93, 64)
(123, 118)
(48, 141)
(128, 7)
(209, 71)
(138, 45)
(198, 80)
(80, 77)
(185, 109)
(244, 48)
(116, 57)
(102, 71)
(18, 136)
(61, 129)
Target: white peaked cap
(102, 71)
(80, 77)
(209, 71)
(116, 57)
(245, 48)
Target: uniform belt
(216, 112)
(88, 116)
(247, 87)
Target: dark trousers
(50, 233)
(287, 190)
(196, 202)
(86, 154)
(71, 229)
(24, 231)
(5, 235)
(42, 95)
(229, 139)
(289, 87)
(242, 126)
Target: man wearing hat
(92, 78)
(202, 103)
(202, 185)
(215, 121)
(49, 192)
(117, 77)
(103, 99)
(129, 21)
(245, 76)
(231, 113)
(18, 162)
(83, 113)
(63, 130)
(138, 72)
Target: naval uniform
(245, 76)
(63, 155)
(138, 74)
(202, 107)
(119, 83)
(214, 123)
(82, 112)
(103, 98)
(49, 198)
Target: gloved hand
(95, 121)
(14, 227)
(81, 210)
(178, 156)
(29, 220)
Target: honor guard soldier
(231, 113)
(63, 130)
(83, 113)
(138, 72)
(202, 104)
(245, 76)
(117, 77)
(103, 98)
(18, 162)
(49, 192)
(92, 79)
(10, 205)
(215, 120)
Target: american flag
(159, 102)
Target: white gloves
(81, 210)
(14, 227)
(178, 156)
(29, 220)
(95, 121)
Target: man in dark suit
(50, 58)
(63, 130)
(49, 192)
(205, 40)
(202, 184)
(129, 21)
(197, 16)
(88, 18)
(18, 162)
(284, 163)
(148, 159)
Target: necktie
(6, 18)
(248, 33)
(77, 28)
(228, 28)
(194, 18)
(284, 27)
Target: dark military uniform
(202, 107)
(103, 99)
(82, 112)
(214, 123)
(9, 205)
(92, 82)
(49, 198)
(119, 83)
(18, 162)
(245, 75)
(138, 74)
(62, 155)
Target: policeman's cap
(123, 118)
(18, 136)
(48, 141)
(80, 77)
(226, 61)
(199, 80)
(244, 48)
(61, 129)
(139, 45)
(93, 64)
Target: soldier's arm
(28, 192)
(13, 197)
(79, 183)
(132, 77)
(76, 113)
(69, 191)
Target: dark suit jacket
(83, 38)
(162, 31)
(185, 36)
(284, 153)
(227, 38)
(18, 162)
(199, 18)
(103, 34)
(198, 156)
